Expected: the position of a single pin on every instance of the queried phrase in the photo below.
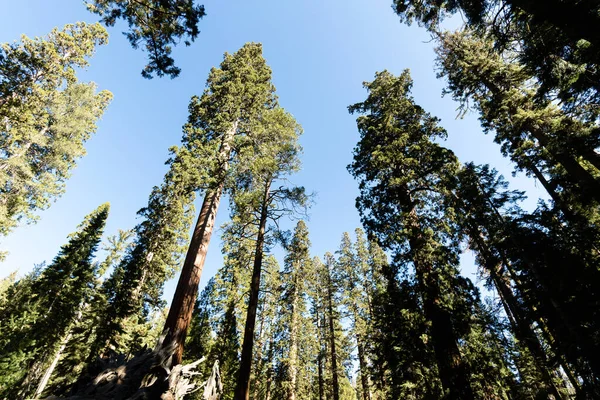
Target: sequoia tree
(272, 157)
(236, 94)
(399, 168)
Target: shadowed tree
(157, 25)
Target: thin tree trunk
(523, 331)
(334, 368)
(364, 376)
(579, 174)
(184, 299)
(50, 370)
(293, 356)
(242, 390)
(320, 354)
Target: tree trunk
(334, 368)
(242, 390)
(586, 180)
(522, 329)
(44, 381)
(452, 370)
(320, 356)
(364, 377)
(293, 356)
(184, 299)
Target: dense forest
(387, 314)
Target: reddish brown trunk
(184, 299)
(242, 390)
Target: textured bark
(184, 299)
(148, 376)
(242, 390)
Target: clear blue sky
(320, 52)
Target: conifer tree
(47, 117)
(57, 295)
(272, 157)
(236, 94)
(399, 204)
(541, 139)
(332, 318)
(157, 24)
(556, 41)
(296, 266)
(134, 289)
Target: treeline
(387, 315)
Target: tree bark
(362, 362)
(242, 390)
(334, 368)
(293, 356)
(320, 356)
(184, 299)
(44, 381)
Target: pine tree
(332, 318)
(355, 293)
(236, 94)
(157, 24)
(47, 117)
(56, 297)
(272, 157)
(134, 289)
(296, 266)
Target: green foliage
(47, 117)
(47, 306)
(156, 24)
(555, 41)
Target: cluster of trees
(388, 315)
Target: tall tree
(332, 318)
(236, 94)
(399, 167)
(296, 266)
(134, 289)
(156, 24)
(355, 292)
(47, 117)
(57, 296)
(272, 157)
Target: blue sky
(320, 52)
